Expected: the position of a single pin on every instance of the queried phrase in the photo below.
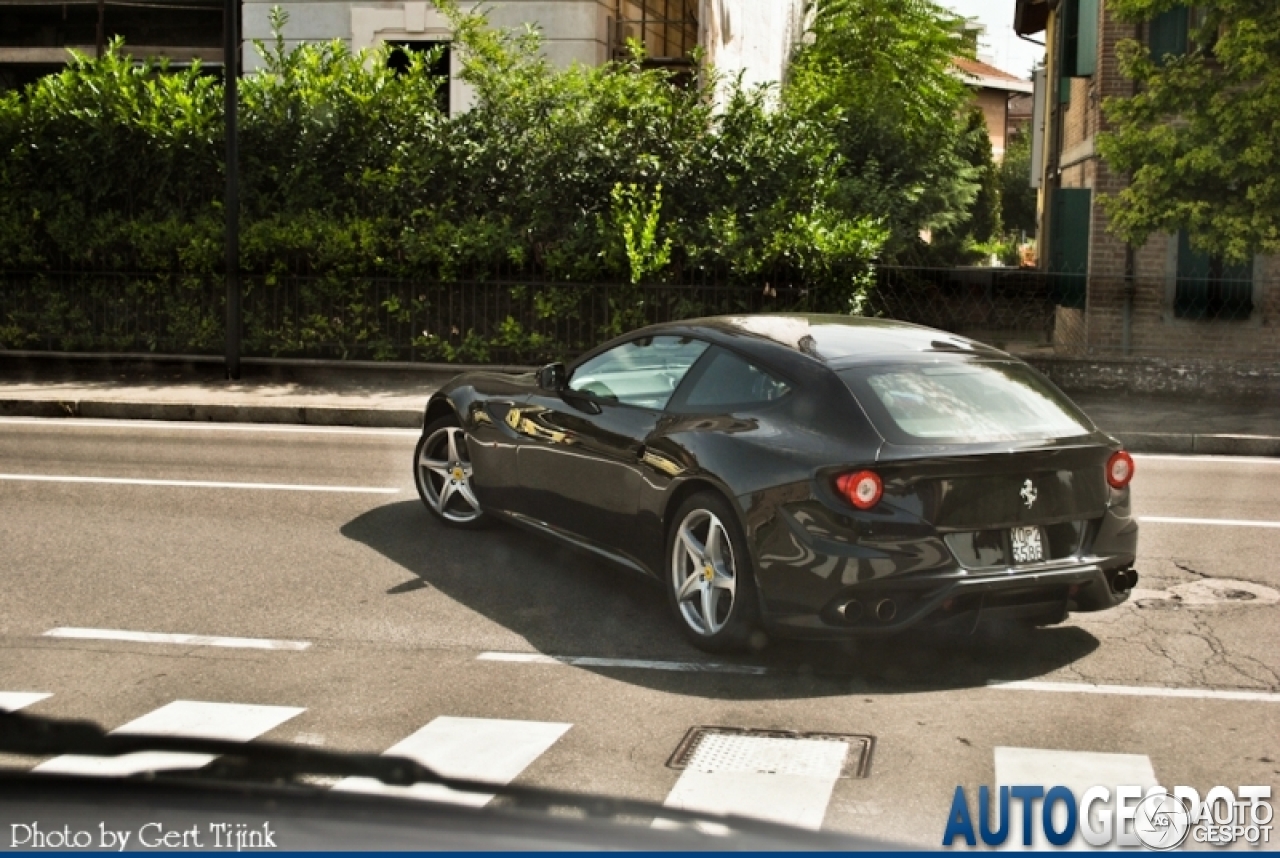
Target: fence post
(230, 75)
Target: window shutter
(1086, 37)
(1066, 65)
(1069, 245)
(1208, 288)
(1168, 34)
(1068, 20)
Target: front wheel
(442, 472)
(710, 584)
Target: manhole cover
(747, 750)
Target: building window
(398, 59)
(1167, 33)
(1209, 288)
(1079, 21)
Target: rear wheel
(442, 471)
(710, 582)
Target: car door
(580, 465)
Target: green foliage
(616, 174)
(636, 218)
(1017, 197)
(984, 214)
(878, 75)
(972, 236)
(1199, 137)
(107, 162)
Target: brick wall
(1154, 330)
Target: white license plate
(1027, 545)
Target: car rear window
(964, 402)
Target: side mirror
(553, 377)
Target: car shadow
(567, 604)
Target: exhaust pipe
(851, 610)
(1124, 580)
(886, 610)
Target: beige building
(994, 89)
(753, 37)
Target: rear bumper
(960, 601)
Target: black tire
(450, 477)
(731, 628)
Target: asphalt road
(315, 537)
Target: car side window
(643, 372)
(723, 379)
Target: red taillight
(862, 489)
(1119, 469)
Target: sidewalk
(304, 392)
(332, 394)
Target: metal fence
(1025, 311)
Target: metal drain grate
(742, 749)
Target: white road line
(1217, 460)
(781, 780)
(236, 722)
(483, 749)
(183, 640)
(1075, 770)
(197, 484)
(12, 701)
(83, 423)
(633, 663)
(1223, 522)
(1134, 690)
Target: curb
(390, 418)
(1202, 445)
(450, 369)
(402, 418)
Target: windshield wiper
(36, 735)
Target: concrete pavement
(330, 393)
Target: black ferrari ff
(804, 475)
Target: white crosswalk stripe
(484, 749)
(777, 779)
(12, 701)
(1075, 770)
(237, 722)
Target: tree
(970, 237)
(1017, 197)
(1199, 138)
(879, 74)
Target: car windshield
(968, 402)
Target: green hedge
(349, 170)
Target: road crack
(1190, 571)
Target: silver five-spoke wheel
(443, 471)
(703, 572)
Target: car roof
(833, 340)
